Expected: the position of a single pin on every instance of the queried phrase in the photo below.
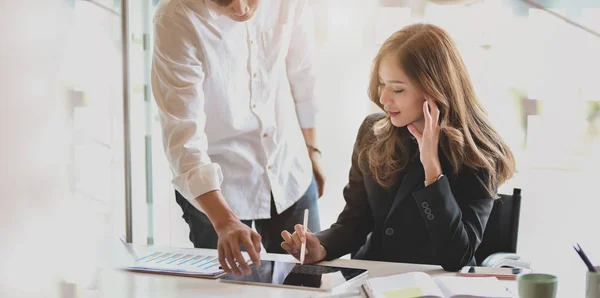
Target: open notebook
(419, 284)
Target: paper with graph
(179, 263)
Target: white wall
(34, 194)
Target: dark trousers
(203, 235)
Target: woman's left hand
(428, 140)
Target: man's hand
(232, 234)
(315, 157)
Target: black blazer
(441, 224)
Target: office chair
(499, 245)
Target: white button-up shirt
(232, 98)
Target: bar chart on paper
(187, 264)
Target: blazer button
(427, 211)
(425, 205)
(430, 216)
(389, 231)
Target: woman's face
(238, 10)
(400, 99)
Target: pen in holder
(592, 283)
(592, 279)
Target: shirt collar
(213, 13)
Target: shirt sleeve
(299, 64)
(177, 78)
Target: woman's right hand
(315, 252)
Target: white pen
(303, 247)
(340, 295)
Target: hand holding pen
(293, 243)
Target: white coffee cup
(592, 284)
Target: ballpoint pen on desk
(584, 257)
(303, 247)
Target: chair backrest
(502, 228)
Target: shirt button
(269, 168)
(254, 106)
(254, 75)
(252, 42)
(389, 231)
(265, 135)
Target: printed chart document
(179, 263)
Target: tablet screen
(289, 274)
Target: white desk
(122, 284)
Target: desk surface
(123, 284)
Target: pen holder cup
(592, 284)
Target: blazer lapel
(414, 175)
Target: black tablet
(294, 275)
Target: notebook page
(414, 284)
(484, 287)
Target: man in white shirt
(234, 84)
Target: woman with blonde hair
(425, 173)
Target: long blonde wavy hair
(429, 58)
